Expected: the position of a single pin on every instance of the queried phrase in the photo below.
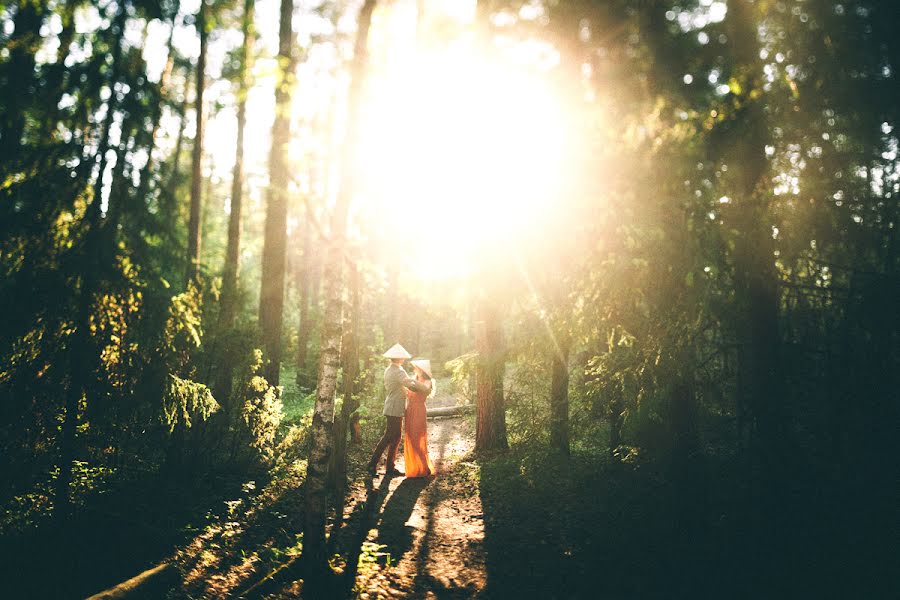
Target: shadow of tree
(393, 531)
(345, 541)
(423, 580)
(240, 545)
(348, 541)
(580, 527)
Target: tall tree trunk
(120, 184)
(352, 384)
(323, 415)
(120, 187)
(559, 396)
(315, 281)
(490, 409)
(79, 368)
(194, 233)
(274, 259)
(490, 424)
(683, 418)
(755, 286)
(232, 256)
(755, 278)
(231, 273)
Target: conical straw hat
(425, 365)
(397, 351)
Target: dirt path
(426, 539)
(398, 538)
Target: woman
(415, 441)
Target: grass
(298, 403)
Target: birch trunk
(343, 423)
(323, 416)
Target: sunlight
(467, 152)
(458, 155)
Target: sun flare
(467, 152)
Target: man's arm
(399, 378)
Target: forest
(649, 248)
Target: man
(396, 380)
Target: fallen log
(449, 411)
(152, 583)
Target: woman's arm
(421, 387)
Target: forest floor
(526, 523)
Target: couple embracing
(405, 397)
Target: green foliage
(371, 555)
(186, 402)
(527, 389)
(261, 410)
(297, 402)
(183, 332)
(462, 373)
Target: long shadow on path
(349, 540)
(397, 537)
(393, 531)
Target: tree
(194, 224)
(490, 425)
(755, 278)
(322, 434)
(54, 87)
(348, 420)
(230, 277)
(274, 255)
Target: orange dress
(415, 440)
